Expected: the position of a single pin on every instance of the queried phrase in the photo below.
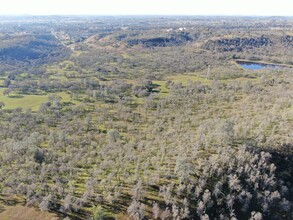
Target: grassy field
(24, 213)
(186, 78)
(27, 101)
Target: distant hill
(37, 47)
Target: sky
(147, 7)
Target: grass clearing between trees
(15, 100)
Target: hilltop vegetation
(31, 48)
(146, 118)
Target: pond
(257, 66)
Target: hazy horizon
(150, 7)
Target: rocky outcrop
(237, 44)
(173, 40)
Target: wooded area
(146, 117)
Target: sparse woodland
(150, 120)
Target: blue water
(252, 66)
(256, 66)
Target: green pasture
(15, 100)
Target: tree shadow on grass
(15, 96)
(68, 103)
